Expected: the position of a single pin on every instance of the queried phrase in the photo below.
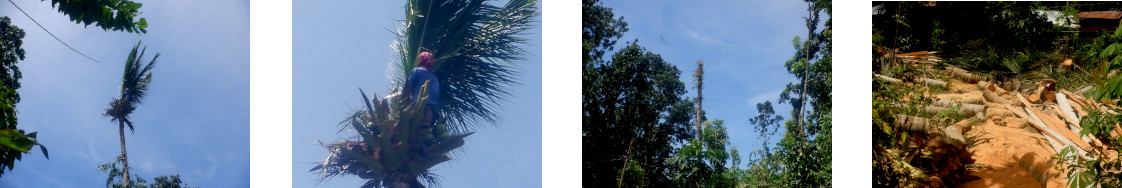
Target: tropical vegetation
(477, 47)
(638, 128)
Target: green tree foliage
(134, 86)
(700, 162)
(600, 31)
(950, 26)
(634, 112)
(136, 181)
(802, 157)
(477, 46)
(1098, 169)
(14, 142)
(116, 15)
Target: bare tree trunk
(124, 155)
(700, 74)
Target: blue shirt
(417, 79)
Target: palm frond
(391, 146)
(135, 78)
(476, 46)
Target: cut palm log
(888, 79)
(1066, 108)
(964, 75)
(1077, 103)
(1040, 169)
(967, 99)
(1053, 109)
(964, 125)
(939, 109)
(932, 82)
(974, 108)
(992, 97)
(913, 123)
(1048, 96)
(998, 112)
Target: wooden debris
(888, 79)
(975, 108)
(1038, 167)
(1066, 108)
(964, 125)
(964, 75)
(1057, 126)
(998, 112)
(992, 97)
(932, 82)
(912, 123)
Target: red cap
(425, 60)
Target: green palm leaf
(476, 47)
(136, 78)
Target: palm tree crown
(135, 80)
(476, 47)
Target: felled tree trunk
(964, 75)
(932, 82)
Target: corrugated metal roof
(1101, 14)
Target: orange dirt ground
(1002, 153)
(1010, 138)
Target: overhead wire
(49, 32)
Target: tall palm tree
(134, 85)
(476, 47)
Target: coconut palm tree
(134, 85)
(476, 47)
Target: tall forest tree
(634, 108)
(134, 86)
(14, 142)
(802, 157)
(477, 48)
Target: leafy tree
(14, 142)
(116, 15)
(803, 155)
(634, 113)
(477, 46)
(600, 30)
(134, 86)
(136, 181)
(701, 162)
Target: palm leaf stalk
(394, 149)
(476, 47)
(134, 86)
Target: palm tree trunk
(124, 155)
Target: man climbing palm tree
(421, 75)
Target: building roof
(1101, 14)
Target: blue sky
(194, 120)
(341, 46)
(743, 43)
